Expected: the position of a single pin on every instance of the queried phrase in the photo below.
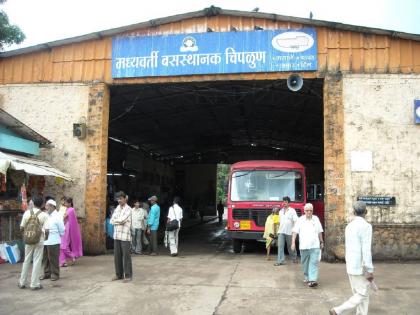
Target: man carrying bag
(173, 225)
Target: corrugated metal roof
(211, 11)
(21, 129)
(29, 165)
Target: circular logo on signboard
(292, 42)
(189, 44)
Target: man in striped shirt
(121, 220)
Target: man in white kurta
(358, 262)
(174, 213)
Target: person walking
(270, 230)
(174, 213)
(220, 211)
(121, 220)
(153, 225)
(139, 215)
(71, 242)
(288, 218)
(34, 228)
(56, 230)
(62, 210)
(311, 243)
(359, 265)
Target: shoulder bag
(173, 224)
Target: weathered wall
(334, 166)
(378, 117)
(96, 169)
(51, 110)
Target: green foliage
(9, 34)
(222, 182)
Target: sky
(44, 21)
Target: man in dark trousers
(220, 211)
(153, 225)
(50, 260)
(121, 220)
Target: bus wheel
(237, 245)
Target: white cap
(52, 202)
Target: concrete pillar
(334, 166)
(96, 169)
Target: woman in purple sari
(71, 241)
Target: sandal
(305, 281)
(312, 284)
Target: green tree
(222, 182)
(9, 34)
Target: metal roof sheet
(21, 129)
(31, 166)
(211, 11)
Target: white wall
(379, 118)
(51, 110)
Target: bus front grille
(259, 216)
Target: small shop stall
(20, 178)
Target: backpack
(33, 229)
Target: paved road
(207, 278)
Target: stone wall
(96, 169)
(51, 110)
(378, 118)
(396, 241)
(334, 166)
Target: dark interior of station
(167, 139)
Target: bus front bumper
(245, 235)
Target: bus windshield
(266, 186)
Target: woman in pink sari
(71, 241)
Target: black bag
(172, 225)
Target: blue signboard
(417, 111)
(207, 53)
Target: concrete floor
(207, 278)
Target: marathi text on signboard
(211, 53)
(377, 200)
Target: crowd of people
(282, 228)
(52, 240)
(134, 228)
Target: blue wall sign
(417, 111)
(207, 53)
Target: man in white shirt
(138, 226)
(55, 225)
(310, 243)
(288, 218)
(358, 262)
(121, 220)
(174, 213)
(35, 251)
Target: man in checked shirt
(121, 220)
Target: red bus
(255, 187)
